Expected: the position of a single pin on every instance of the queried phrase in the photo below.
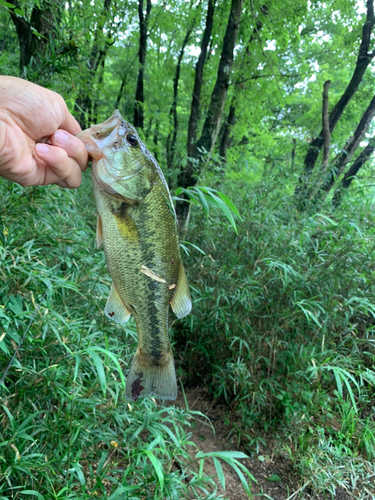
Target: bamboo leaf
(220, 473)
(99, 368)
(158, 468)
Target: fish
(137, 225)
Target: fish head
(121, 162)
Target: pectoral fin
(181, 300)
(115, 309)
(99, 232)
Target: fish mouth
(95, 138)
(99, 136)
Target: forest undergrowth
(66, 430)
(282, 330)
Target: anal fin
(181, 300)
(99, 231)
(115, 309)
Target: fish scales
(137, 225)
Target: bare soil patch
(264, 470)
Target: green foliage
(205, 196)
(66, 430)
(282, 327)
(284, 306)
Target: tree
(101, 42)
(139, 93)
(198, 81)
(188, 177)
(34, 29)
(242, 76)
(353, 171)
(364, 58)
(342, 159)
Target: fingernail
(42, 148)
(61, 137)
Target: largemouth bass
(138, 228)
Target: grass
(66, 430)
(282, 331)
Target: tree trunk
(351, 146)
(100, 82)
(219, 94)
(42, 20)
(121, 90)
(198, 81)
(84, 102)
(326, 138)
(172, 136)
(227, 129)
(363, 60)
(182, 207)
(325, 122)
(227, 126)
(189, 176)
(353, 170)
(139, 92)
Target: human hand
(28, 114)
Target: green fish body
(138, 228)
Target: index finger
(69, 123)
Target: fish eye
(132, 140)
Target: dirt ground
(263, 471)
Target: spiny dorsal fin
(181, 300)
(99, 231)
(115, 309)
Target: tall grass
(66, 431)
(282, 330)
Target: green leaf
(102, 460)
(192, 245)
(220, 473)
(19, 12)
(33, 493)
(78, 469)
(225, 210)
(114, 359)
(222, 454)
(15, 304)
(99, 367)
(158, 469)
(7, 4)
(120, 490)
(78, 364)
(274, 478)
(225, 198)
(203, 201)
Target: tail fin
(146, 379)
